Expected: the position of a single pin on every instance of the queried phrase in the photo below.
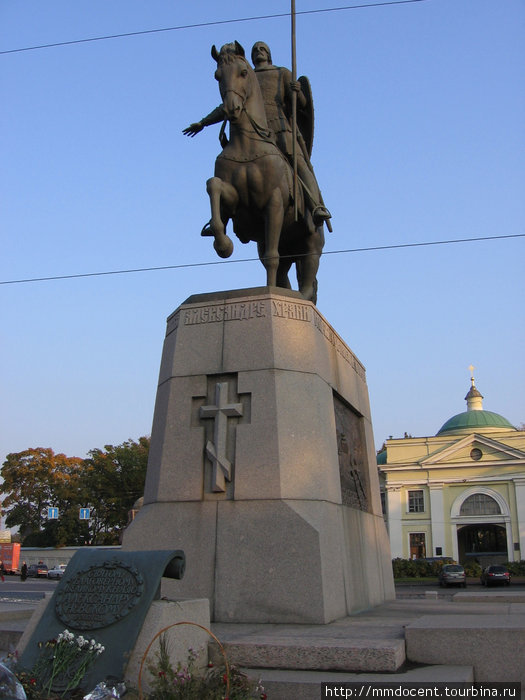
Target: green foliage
(473, 569)
(67, 530)
(36, 479)
(116, 475)
(516, 568)
(417, 568)
(109, 482)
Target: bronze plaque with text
(99, 595)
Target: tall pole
(294, 112)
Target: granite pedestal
(262, 464)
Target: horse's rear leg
(308, 265)
(273, 228)
(283, 280)
(223, 200)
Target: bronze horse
(253, 184)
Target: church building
(460, 493)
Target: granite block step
(314, 653)
(10, 635)
(306, 685)
(493, 644)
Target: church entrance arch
(481, 530)
(481, 543)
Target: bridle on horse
(264, 134)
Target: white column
(393, 496)
(510, 543)
(455, 548)
(519, 486)
(437, 519)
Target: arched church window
(479, 504)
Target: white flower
(82, 642)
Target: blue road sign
(84, 514)
(52, 513)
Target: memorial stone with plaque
(104, 595)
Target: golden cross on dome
(472, 368)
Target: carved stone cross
(216, 450)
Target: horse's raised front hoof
(225, 248)
(206, 230)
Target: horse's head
(235, 77)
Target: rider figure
(276, 86)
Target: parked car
(451, 574)
(36, 570)
(56, 571)
(493, 575)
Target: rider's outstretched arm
(214, 117)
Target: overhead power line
(208, 24)
(245, 260)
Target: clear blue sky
(420, 114)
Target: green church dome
(475, 421)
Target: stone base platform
(447, 641)
(15, 618)
(283, 685)
(494, 645)
(10, 635)
(371, 641)
(361, 643)
(317, 653)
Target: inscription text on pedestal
(224, 312)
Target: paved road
(31, 589)
(34, 588)
(31, 584)
(407, 590)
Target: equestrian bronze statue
(253, 182)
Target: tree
(109, 482)
(115, 479)
(35, 480)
